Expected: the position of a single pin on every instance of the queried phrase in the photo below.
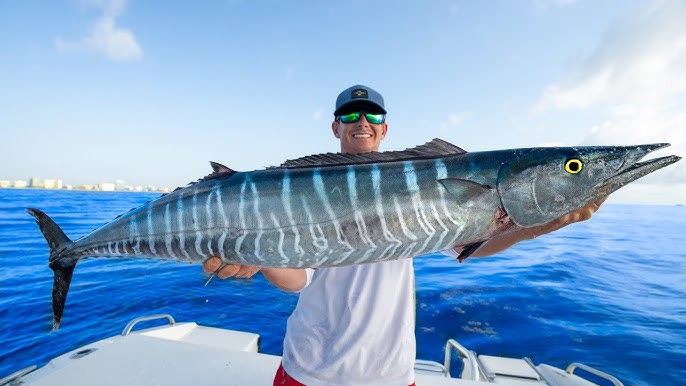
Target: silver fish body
(309, 217)
(336, 210)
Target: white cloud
(648, 193)
(591, 90)
(642, 58)
(631, 124)
(105, 37)
(635, 80)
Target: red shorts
(281, 378)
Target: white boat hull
(189, 354)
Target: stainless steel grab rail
(129, 327)
(463, 353)
(15, 378)
(570, 369)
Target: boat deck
(186, 353)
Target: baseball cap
(359, 95)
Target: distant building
(20, 184)
(106, 186)
(35, 182)
(52, 184)
(5, 184)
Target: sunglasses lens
(374, 118)
(350, 118)
(354, 117)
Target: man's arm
(285, 279)
(501, 243)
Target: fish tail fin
(63, 269)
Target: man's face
(359, 137)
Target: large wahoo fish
(337, 209)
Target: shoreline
(87, 190)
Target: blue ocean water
(610, 292)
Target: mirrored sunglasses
(371, 118)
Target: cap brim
(353, 106)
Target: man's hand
(581, 214)
(501, 243)
(212, 264)
(286, 279)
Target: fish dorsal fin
(218, 171)
(432, 149)
(221, 169)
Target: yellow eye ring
(573, 166)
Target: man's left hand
(500, 243)
(581, 214)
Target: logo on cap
(359, 93)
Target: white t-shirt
(354, 325)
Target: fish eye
(573, 166)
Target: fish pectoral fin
(468, 250)
(464, 190)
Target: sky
(149, 91)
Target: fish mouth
(633, 169)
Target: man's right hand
(212, 264)
(286, 279)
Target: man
(354, 325)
